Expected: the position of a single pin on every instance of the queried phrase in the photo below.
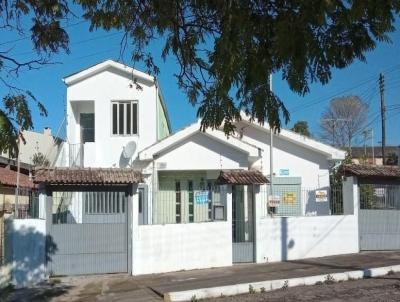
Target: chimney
(47, 131)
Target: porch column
(133, 234)
(227, 197)
(350, 196)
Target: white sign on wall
(274, 200)
(321, 195)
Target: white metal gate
(242, 224)
(379, 217)
(88, 233)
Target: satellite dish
(129, 149)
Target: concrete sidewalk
(247, 273)
(156, 287)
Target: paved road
(385, 288)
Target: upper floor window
(87, 127)
(124, 117)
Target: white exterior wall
(200, 152)
(103, 88)
(174, 247)
(291, 238)
(27, 240)
(312, 167)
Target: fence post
(350, 196)
(133, 225)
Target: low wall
(26, 250)
(174, 247)
(291, 238)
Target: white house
(129, 196)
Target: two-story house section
(113, 111)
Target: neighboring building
(8, 183)
(373, 156)
(39, 143)
(132, 197)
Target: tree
(301, 127)
(40, 160)
(227, 50)
(344, 119)
(42, 20)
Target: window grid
(124, 118)
(178, 202)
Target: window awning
(85, 176)
(242, 177)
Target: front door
(242, 224)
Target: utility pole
(383, 114)
(18, 170)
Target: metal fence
(379, 197)
(294, 200)
(76, 155)
(194, 204)
(183, 205)
(28, 206)
(89, 207)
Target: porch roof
(242, 177)
(84, 176)
(371, 171)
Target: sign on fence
(201, 197)
(274, 200)
(321, 195)
(289, 198)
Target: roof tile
(79, 176)
(242, 177)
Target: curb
(243, 288)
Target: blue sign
(284, 172)
(201, 197)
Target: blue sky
(90, 48)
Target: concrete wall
(290, 238)
(37, 142)
(174, 247)
(103, 88)
(26, 250)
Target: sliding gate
(88, 233)
(379, 217)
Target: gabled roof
(168, 142)
(80, 176)
(95, 69)
(301, 140)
